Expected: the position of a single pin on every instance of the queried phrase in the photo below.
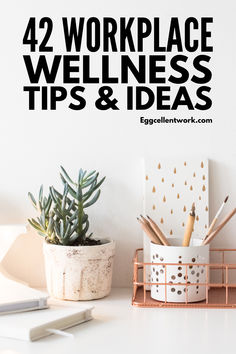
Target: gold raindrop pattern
(190, 187)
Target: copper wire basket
(220, 282)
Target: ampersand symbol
(104, 102)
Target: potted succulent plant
(78, 266)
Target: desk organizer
(220, 292)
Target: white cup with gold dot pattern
(193, 276)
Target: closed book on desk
(34, 325)
(16, 297)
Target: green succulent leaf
(52, 194)
(70, 207)
(65, 174)
(79, 195)
(93, 200)
(48, 205)
(86, 228)
(50, 226)
(41, 194)
(43, 219)
(35, 225)
(58, 213)
(99, 183)
(68, 230)
(74, 228)
(83, 175)
(80, 176)
(70, 189)
(88, 194)
(90, 181)
(63, 203)
(73, 238)
(62, 229)
(33, 201)
(42, 233)
(93, 189)
(73, 216)
(85, 218)
(57, 229)
(40, 207)
(90, 174)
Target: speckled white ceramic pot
(172, 275)
(79, 272)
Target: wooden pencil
(158, 231)
(189, 227)
(224, 222)
(149, 225)
(148, 231)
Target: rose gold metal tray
(220, 289)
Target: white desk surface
(118, 327)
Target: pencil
(149, 232)
(224, 222)
(149, 225)
(158, 231)
(189, 227)
(216, 218)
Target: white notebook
(34, 325)
(16, 297)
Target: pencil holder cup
(191, 276)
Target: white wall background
(34, 143)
